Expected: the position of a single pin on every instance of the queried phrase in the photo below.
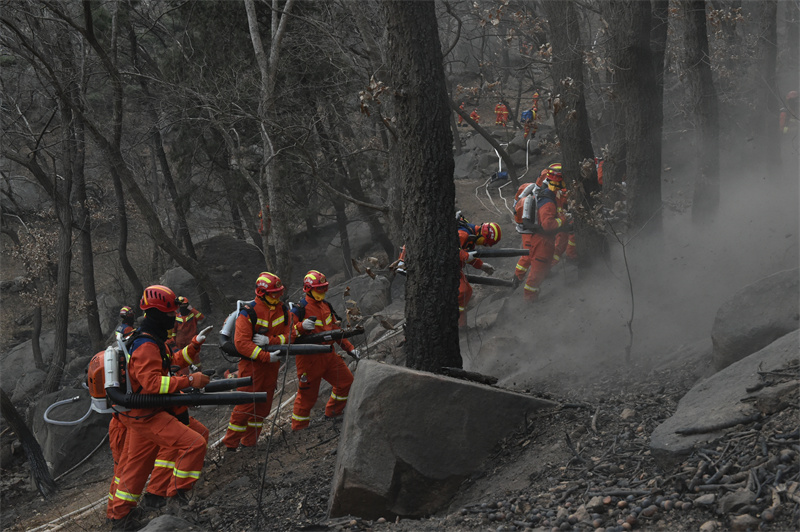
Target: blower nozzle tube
(136, 400)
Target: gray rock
(705, 500)
(169, 523)
(27, 386)
(409, 439)
(730, 502)
(19, 361)
(65, 446)
(756, 316)
(718, 400)
(361, 244)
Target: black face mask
(184, 310)
(157, 323)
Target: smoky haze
(577, 333)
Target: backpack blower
(106, 378)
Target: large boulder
(359, 237)
(64, 446)
(409, 438)
(756, 316)
(715, 405)
(18, 362)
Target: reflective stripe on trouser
(162, 479)
(310, 372)
(146, 439)
(117, 431)
(542, 251)
(247, 420)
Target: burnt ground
(583, 466)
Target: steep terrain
(583, 466)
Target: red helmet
(159, 297)
(554, 172)
(491, 233)
(126, 312)
(269, 284)
(315, 280)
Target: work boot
(132, 521)
(151, 501)
(178, 503)
(515, 282)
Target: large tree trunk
(41, 474)
(572, 123)
(63, 187)
(629, 30)
(424, 164)
(705, 108)
(84, 227)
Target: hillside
(586, 462)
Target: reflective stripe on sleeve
(255, 353)
(164, 385)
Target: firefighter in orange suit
(565, 241)
(469, 236)
(162, 475)
(316, 315)
(501, 114)
(272, 327)
(159, 431)
(126, 316)
(475, 116)
(186, 323)
(461, 118)
(541, 243)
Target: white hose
(65, 423)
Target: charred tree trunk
(39, 472)
(637, 87)
(84, 227)
(36, 345)
(424, 164)
(705, 108)
(572, 123)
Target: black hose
(502, 252)
(328, 336)
(477, 279)
(220, 385)
(136, 400)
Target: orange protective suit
(475, 116)
(466, 241)
(186, 327)
(116, 440)
(501, 114)
(247, 420)
(313, 368)
(154, 432)
(565, 242)
(540, 245)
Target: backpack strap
(299, 309)
(333, 311)
(251, 313)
